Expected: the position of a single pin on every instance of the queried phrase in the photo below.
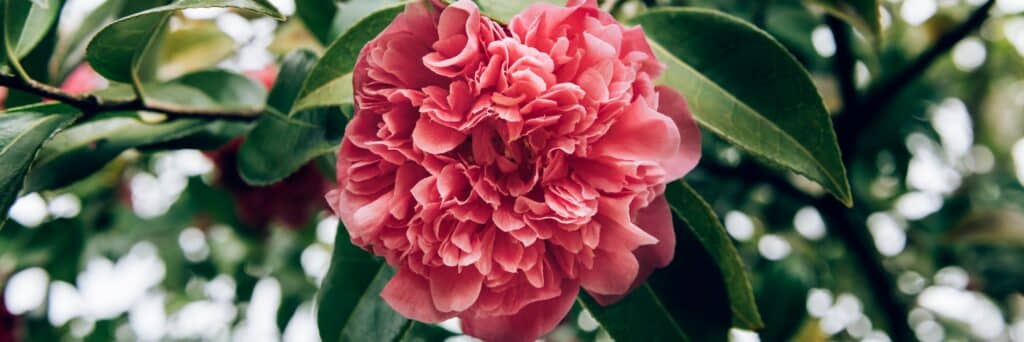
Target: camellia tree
(370, 170)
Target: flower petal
(528, 324)
(453, 290)
(409, 294)
(672, 104)
(613, 273)
(434, 138)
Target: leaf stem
(91, 105)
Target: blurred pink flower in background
(290, 202)
(501, 169)
(83, 80)
(8, 325)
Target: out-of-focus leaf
(330, 82)
(197, 46)
(317, 15)
(351, 12)
(282, 143)
(24, 24)
(1003, 227)
(769, 108)
(70, 48)
(22, 132)
(349, 306)
(116, 51)
(690, 207)
(862, 14)
(782, 298)
(504, 10)
(640, 316)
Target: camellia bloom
(500, 169)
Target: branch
(849, 126)
(91, 104)
(843, 61)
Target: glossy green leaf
(117, 49)
(349, 306)
(744, 86)
(24, 24)
(863, 14)
(690, 207)
(228, 90)
(504, 10)
(329, 83)
(282, 143)
(22, 131)
(640, 316)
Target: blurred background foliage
(165, 242)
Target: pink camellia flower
(499, 169)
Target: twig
(850, 125)
(843, 61)
(91, 104)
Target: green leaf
(197, 46)
(782, 298)
(640, 316)
(329, 83)
(228, 90)
(70, 50)
(116, 51)
(79, 151)
(504, 10)
(349, 306)
(280, 143)
(744, 86)
(421, 332)
(352, 11)
(690, 207)
(24, 24)
(317, 15)
(862, 14)
(22, 131)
